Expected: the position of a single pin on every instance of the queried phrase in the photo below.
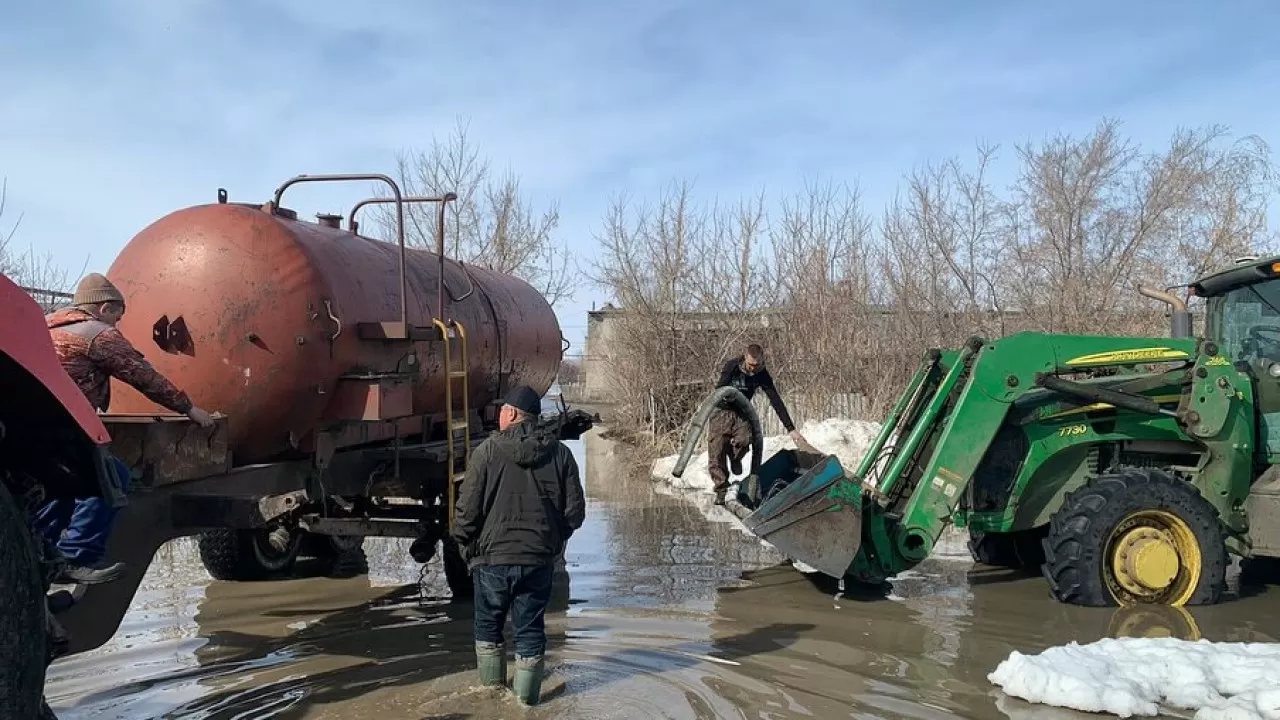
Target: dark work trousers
(522, 590)
(80, 529)
(728, 436)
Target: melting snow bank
(846, 439)
(1134, 676)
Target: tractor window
(1249, 322)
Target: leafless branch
(848, 305)
(493, 224)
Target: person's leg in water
(719, 450)
(83, 543)
(528, 617)
(492, 585)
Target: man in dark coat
(519, 503)
(728, 432)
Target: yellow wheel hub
(1153, 558)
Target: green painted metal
(924, 424)
(965, 411)
(891, 423)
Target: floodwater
(659, 614)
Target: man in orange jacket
(92, 351)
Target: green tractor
(1127, 470)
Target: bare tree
(36, 271)
(822, 244)
(1090, 217)
(493, 223)
(846, 305)
(570, 372)
(689, 280)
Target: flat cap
(525, 400)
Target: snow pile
(846, 439)
(1135, 676)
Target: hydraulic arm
(916, 473)
(1125, 469)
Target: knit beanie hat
(95, 289)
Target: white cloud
(118, 111)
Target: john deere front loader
(1129, 470)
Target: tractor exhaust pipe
(1179, 316)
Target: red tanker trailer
(279, 325)
(350, 378)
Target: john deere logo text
(1120, 357)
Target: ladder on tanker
(455, 425)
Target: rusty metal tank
(258, 315)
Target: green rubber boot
(527, 683)
(491, 660)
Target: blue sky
(115, 112)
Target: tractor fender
(699, 425)
(24, 338)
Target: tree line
(845, 296)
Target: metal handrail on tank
(403, 333)
(443, 200)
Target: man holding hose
(728, 432)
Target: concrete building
(603, 341)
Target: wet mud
(656, 613)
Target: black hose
(1093, 393)
(740, 403)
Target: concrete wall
(596, 370)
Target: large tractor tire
(23, 643)
(1136, 536)
(244, 555)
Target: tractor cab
(1242, 315)
(1243, 310)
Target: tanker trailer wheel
(246, 554)
(23, 643)
(456, 573)
(1135, 536)
(336, 555)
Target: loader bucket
(815, 518)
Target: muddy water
(657, 614)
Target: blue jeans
(80, 530)
(524, 591)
